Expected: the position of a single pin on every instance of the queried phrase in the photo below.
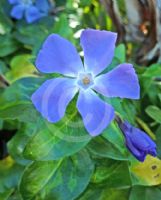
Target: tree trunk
(141, 24)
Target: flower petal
(141, 140)
(140, 155)
(137, 141)
(98, 47)
(58, 55)
(18, 11)
(52, 98)
(42, 5)
(120, 82)
(95, 113)
(32, 14)
(13, 1)
(152, 152)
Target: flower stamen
(86, 80)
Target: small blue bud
(137, 141)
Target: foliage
(45, 161)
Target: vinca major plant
(80, 98)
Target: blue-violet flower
(32, 10)
(137, 141)
(59, 56)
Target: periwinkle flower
(59, 56)
(137, 141)
(32, 10)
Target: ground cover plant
(80, 96)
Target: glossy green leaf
(20, 67)
(103, 148)
(154, 112)
(153, 70)
(114, 194)
(6, 23)
(16, 102)
(123, 107)
(17, 144)
(120, 53)
(21, 90)
(112, 174)
(114, 135)
(158, 141)
(22, 111)
(105, 193)
(62, 27)
(145, 193)
(10, 173)
(5, 195)
(36, 176)
(15, 196)
(53, 142)
(7, 45)
(63, 179)
(3, 67)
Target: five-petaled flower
(59, 56)
(137, 141)
(32, 10)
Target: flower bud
(137, 141)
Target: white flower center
(85, 80)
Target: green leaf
(158, 141)
(7, 45)
(148, 84)
(113, 134)
(21, 111)
(5, 22)
(145, 193)
(17, 144)
(103, 148)
(96, 193)
(62, 27)
(10, 173)
(34, 34)
(63, 179)
(26, 34)
(112, 173)
(114, 194)
(20, 67)
(36, 176)
(123, 107)
(92, 193)
(3, 67)
(72, 178)
(120, 53)
(16, 103)
(20, 90)
(15, 196)
(5, 195)
(153, 70)
(154, 112)
(53, 142)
